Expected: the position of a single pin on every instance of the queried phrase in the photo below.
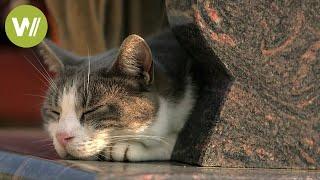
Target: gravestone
(258, 67)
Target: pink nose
(63, 138)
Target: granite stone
(258, 67)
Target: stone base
(258, 68)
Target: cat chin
(68, 156)
(68, 153)
(90, 158)
(64, 154)
(80, 156)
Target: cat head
(93, 99)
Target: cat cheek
(52, 128)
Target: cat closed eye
(92, 110)
(55, 112)
(106, 110)
(52, 113)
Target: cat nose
(64, 138)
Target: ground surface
(13, 165)
(34, 142)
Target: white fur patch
(85, 143)
(172, 116)
(69, 122)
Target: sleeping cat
(128, 104)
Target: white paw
(138, 152)
(118, 151)
(129, 151)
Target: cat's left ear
(135, 58)
(57, 58)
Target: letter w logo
(25, 25)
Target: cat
(127, 104)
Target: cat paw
(118, 151)
(129, 151)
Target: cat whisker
(89, 69)
(46, 146)
(48, 75)
(138, 138)
(43, 82)
(43, 75)
(42, 140)
(35, 95)
(140, 135)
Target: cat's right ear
(56, 58)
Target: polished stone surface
(28, 141)
(27, 153)
(19, 166)
(29, 167)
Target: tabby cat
(128, 104)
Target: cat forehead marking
(69, 120)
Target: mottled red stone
(258, 67)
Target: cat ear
(56, 58)
(135, 58)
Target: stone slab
(258, 67)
